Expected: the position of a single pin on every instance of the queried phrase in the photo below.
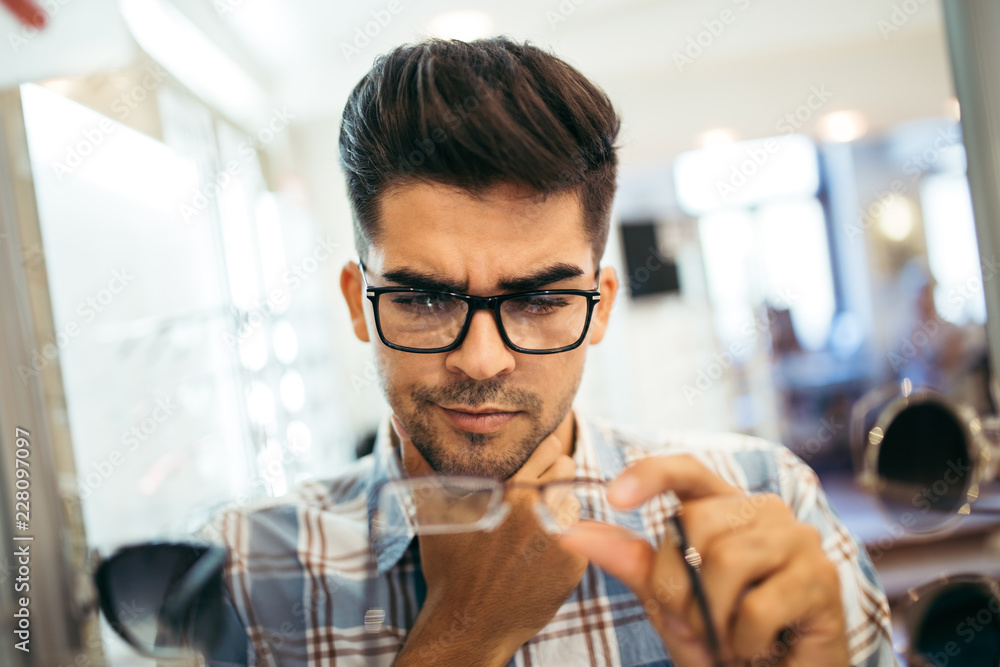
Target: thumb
(414, 463)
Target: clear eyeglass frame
(458, 504)
(443, 504)
(474, 303)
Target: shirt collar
(389, 545)
(594, 455)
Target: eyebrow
(538, 279)
(523, 283)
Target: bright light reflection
(727, 241)
(952, 249)
(293, 392)
(746, 173)
(895, 221)
(299, 436)
(260, 403)
(286, 343)
(796, 263)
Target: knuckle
(773, 502)
(754, 609)
(723, 560)
(829, 574)
(810, 535)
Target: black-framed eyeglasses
(427, 321)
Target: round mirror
(924, 463)
(960, 625)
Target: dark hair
(477, 115)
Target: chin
(472, 456)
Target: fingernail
(624, 490)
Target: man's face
(482, 408)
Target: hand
(499, 587)
(764, 572)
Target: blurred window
(952, 249)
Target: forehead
(476, 240)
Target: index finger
(683, 474)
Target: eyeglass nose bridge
(490, 303)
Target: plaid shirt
(300, 569)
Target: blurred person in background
(930, 350)
(481, 176)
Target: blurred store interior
(793, 222)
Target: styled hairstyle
(477, 115)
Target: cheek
(552, 374)
(400, 372)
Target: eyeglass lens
(438, 505)
(430, 320)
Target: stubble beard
(478, 454)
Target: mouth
(482, 419)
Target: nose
(482, 354)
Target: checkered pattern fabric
(302, 571)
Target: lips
(479, 419)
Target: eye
(423, 303)
(538, 305)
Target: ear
(602, 313)
(351, 285)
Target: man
(487, 170)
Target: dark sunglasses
(167, 601)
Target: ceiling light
(718, 136)
(842, 126)
(895, 221)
